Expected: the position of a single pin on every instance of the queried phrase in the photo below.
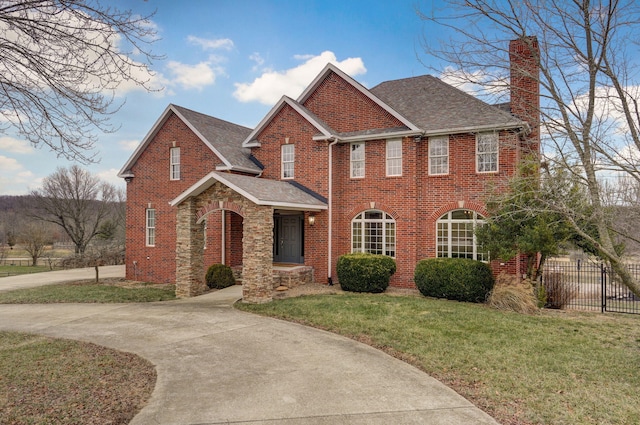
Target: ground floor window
(456, 235)
(374, 232)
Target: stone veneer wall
(257, 241)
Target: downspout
(330, 210)
(224, 239)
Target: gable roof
(260, 191)
(439, 108)
(222, 137)
(330, 68)
(326, 132)
(321, 126)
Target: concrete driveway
(217, 365)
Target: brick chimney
(524, 56)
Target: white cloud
(258, 59)
(111, 176)
(192, 76)
(129, 145)
(271, 85)
(211, 44)
(14, 178)
(477, 83)
(9, 144)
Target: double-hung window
(288, 160)
(439, 155)
(150, 227)
(374, 232)
(394, 157)
(357, 160)
(487, 152)
(456, 235)
(174, 163)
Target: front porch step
(292, 276)
(284, 275)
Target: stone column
(257, 255)
(189, 252)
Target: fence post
(603, 287)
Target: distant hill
(12, 202)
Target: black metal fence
(588, 285)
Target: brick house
(400, 169)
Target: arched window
(374, 232)
(456, 235)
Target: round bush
(365, 272)
(219, 276)
(457, 279)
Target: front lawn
(553, 368)
(107, 291)
(57, 381)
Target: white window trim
(386, 219)
(150, 230)
(291, 161)
(497, 152)
(431, 156)
(476, 219)
(392, 158)
(174, 167)
(352, 161)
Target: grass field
(56, 381)
(552, 368)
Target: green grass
(552, 368)
(16, 270)
(55, 381)
(87, 293)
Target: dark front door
(288, 239)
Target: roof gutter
(364, 137)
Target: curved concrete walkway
(217, 365)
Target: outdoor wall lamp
(312, 220)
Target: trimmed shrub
(219, 276)
(458, 279)
(365, 272)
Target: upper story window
(357, 160)
(150, 227)
(174, 163)
(394, 157)
(288, 160)
(456, 235)
(374, 232)
(487, 152)
(439, 155)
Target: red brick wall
(346, 109)
(415, 199)
(151, 185)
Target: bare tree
(589, 88)
(61, 63)
(75, 200)
(35, 237)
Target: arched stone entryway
(257, 243)
(255, 199)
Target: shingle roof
(435, 106)
(223, 136)
(275, 193)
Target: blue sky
(234, 59)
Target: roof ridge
(209, 116)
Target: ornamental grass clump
(509, 294)
(219, 276)
(365, 272)
(458, 279)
